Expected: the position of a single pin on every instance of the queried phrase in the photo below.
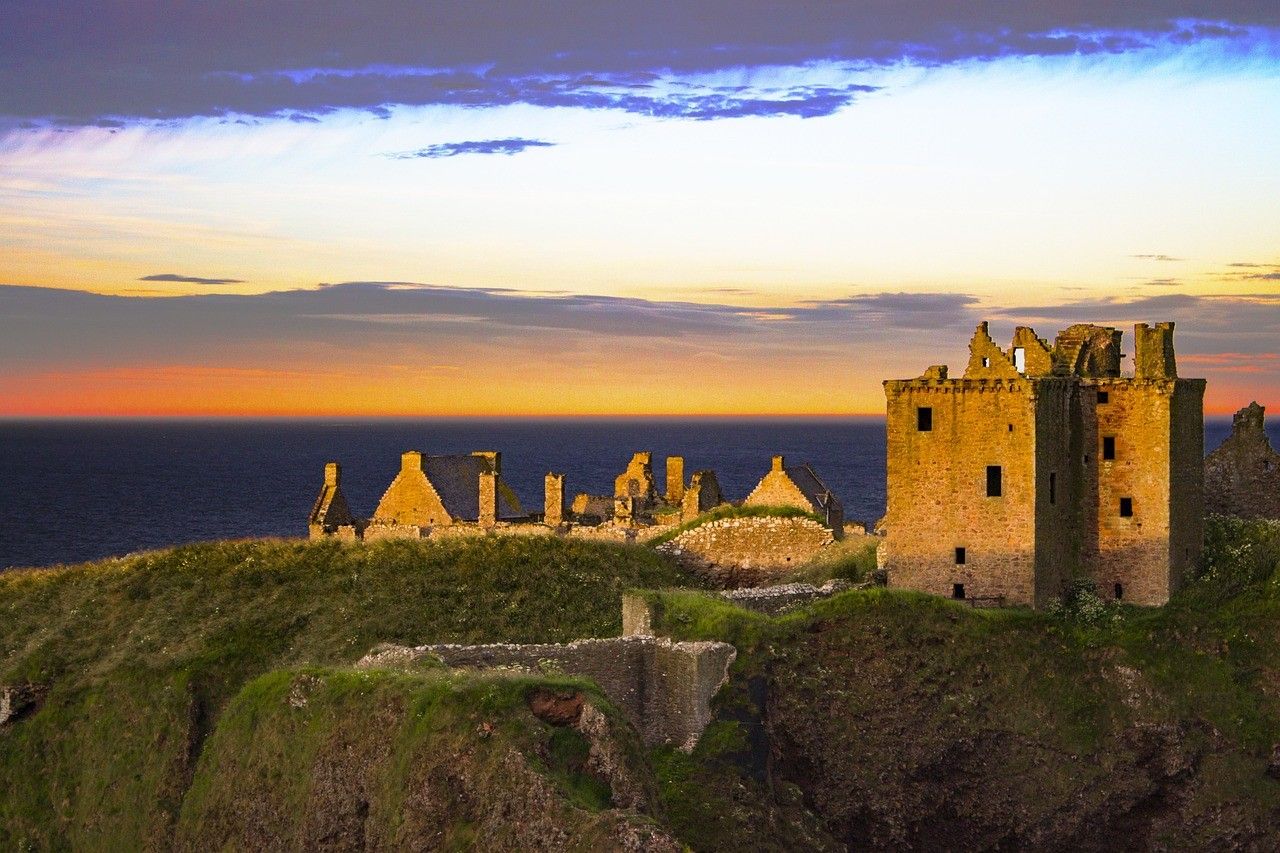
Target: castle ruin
(1043, 464)
(440, 495)
(1242, 477)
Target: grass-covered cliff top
(201, 697)
(142, 655)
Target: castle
(461, 494)
(1044, 464)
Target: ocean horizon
(76, 489)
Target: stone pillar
(332, 471)
(1153, 352)
(675, 479)
(488, 499)
(494, 458)
(778, 464)
(553, 505)
(411, 461)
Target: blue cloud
(512, 145)
(88, 61)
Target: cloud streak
(189, 279)
(508, 146)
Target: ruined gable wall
(637, 480)
(411, 500)
(937, 496)
(1134, 551)
(777, 489)
(986, 359)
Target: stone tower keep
(1042, 464)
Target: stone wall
(937, 487)
(1242, 476)
(664, 688)
(745, 551)
(410, 500)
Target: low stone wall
(776, 600)
(736, 552)
(664, 688)
(637, 613)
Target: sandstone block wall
(743, 551)
(937, 487)
(411, 500)
(665, 688)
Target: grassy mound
(141, 655)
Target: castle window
(1103, 398)
(993, 481)
(960, 555)
(1010, 427)
(1126, 507)
(1266, 464)
(957, 591)
(1053, 487)
(1119, 591)
(1020, 359)
(924, 419)
(986, 362)
(1108, 447)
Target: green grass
(142, 654)
(314, 757)
(875, 718)
(731, 511)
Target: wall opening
(957, 591)
(1020, 359)
(994, 483)
(986, 362)
(1053, 487)
(1010, 427)
(960, 556)
(924, 419)
(1103, 398)
(1126, 507)
(1119, 590)
(1108, 447)
(1266, 464)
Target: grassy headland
(201, 697)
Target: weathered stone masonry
(1042, 464)
(1242, 477)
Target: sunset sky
(488, 208)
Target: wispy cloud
(511, 145)
(189, 279)
(1155, 258)
(83, 62)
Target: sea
(77, 490)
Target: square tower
(1043, 464)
